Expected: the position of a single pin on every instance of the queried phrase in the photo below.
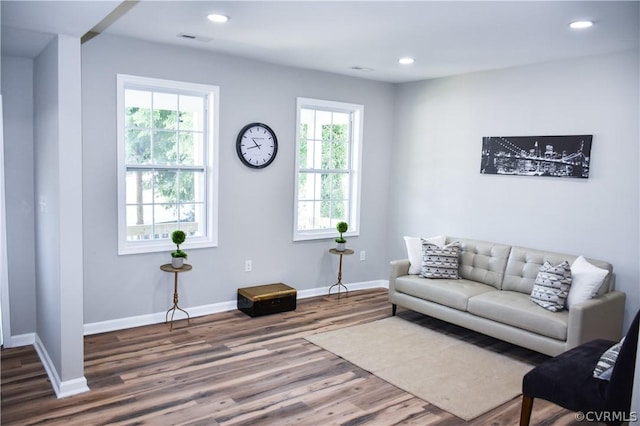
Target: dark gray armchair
(567, 380)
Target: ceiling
(445, 37)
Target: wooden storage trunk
(267, 299)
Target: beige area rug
(458, 377)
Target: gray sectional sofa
(492, 297)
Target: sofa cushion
(440, 262)
(451, 293)
(515, 309)
(524, 263)
(552, 285)
(523, 267)
(482, 261)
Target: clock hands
(255, 143)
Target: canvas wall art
(557, 156)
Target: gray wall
(436, 164)
(59, 264)
(131, 285)
(17, 88)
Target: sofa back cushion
(524, 264)
(482, 261)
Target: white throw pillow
(586, 281)
(414, 251)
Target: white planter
(340, 246)
(177, 262)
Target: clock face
(257, 145)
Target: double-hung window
(328, 152)
(167, 163)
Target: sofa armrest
(398, 269)
(597, 318)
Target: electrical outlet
(248, 266)
(363, 255)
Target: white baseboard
(214, 308)
(61, 388)
(20, 340)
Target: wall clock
(257, 145)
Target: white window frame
(210, 239)
(355, 169)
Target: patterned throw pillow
(605, 364)
(440, 262)
(414, 251)
(552, 286)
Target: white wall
(133, 285)
(17, 87)
(436, 167)
(58, 173)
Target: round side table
(339, 283)
(168, 268)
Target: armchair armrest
(597, 318)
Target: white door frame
(5, 330)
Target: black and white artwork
(558, 156)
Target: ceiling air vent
(358, 68)
(194, 37)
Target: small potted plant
(178, 256)
(341, 241)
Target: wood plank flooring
(230, 369)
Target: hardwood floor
(230, 369)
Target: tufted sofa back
(524, 263)
(482, 261)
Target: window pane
(307, 117)
(308, 154)
(340, 155)
(333, 195)
(139, 187)
(306, 215)
(192, 219)
(322, 119)
(138, 146)
(165, 186)
(164, 147)
(191, 113)
(191, 186)
(334, 155)
(191, 149)
(340, 127)
(306, 186)
(166, 220)
(165, 111)
(137, 108)
(139, 222)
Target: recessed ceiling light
(216, 17)
(580, 24)
(406, 61)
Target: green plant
(178, 237)
(342, 228)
